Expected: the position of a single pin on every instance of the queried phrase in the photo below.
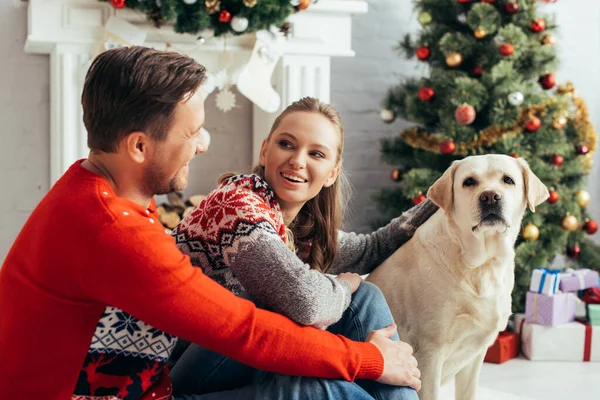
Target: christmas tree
(491, 89)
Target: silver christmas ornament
(190, 1)
(239, 24)
(462, 18)
(387, 115)
(516, 98)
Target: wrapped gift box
(593, 311)
(544, 281)
(574, 341)
(506, 346)
(591, 295)
(550, 310)
(575, 280)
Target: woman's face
(301, 157)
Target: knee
(369, 292)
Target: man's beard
(157, 182)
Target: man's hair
(133, 89)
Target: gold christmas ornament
(559, 123)
(425, 18)
(549, 40)
(531, 232)
(583, 198)
(480, 33)
(569, 223)
(250, 3)
(454, 59)
(213, 6)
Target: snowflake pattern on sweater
(229, 217)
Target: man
(93, 284)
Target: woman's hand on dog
(352, 279)
(399, 364)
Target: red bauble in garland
(538, 25)
(477, 71)
(553, 197)
(582, 150)
(506, 49)
(514, 155)
(224, 16)
(447, 147)
(590, 227)
(426, 93)
(533, 124)
(558, 160)
(419, 199)
(465, 114)
(423, 53)
(574, 251)
(511, 8)
(117, 3)
(548, 81)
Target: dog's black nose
(490, 197)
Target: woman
(275, 235)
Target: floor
(521, 379)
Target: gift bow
(580, 274)
(546, 271)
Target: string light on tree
(447, 147)
(569, 223)
(426, 93)
(531, 232)
(583, 198)
(553, 196)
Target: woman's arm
(361, 253)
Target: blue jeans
(201, 374)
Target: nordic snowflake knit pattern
(237, 236)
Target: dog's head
(489, 192)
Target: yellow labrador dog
(449, 287)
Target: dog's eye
(508, 180)
(469, 182)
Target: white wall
(358, 85)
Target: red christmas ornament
(557, 160)
(447, 147)
(591, 227)
(224, 16)
(465, 114)
(464, 1)
(477, 71)
(582, 150)
(511, 8)
(574, 251)
(533, 124)
(419, 199)
(426, 93)
(117, 3)
(423, 53)
(514, 155)
(538, 25)
(548, 81)
(506, 49)
(553, 198)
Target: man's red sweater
(85, 253)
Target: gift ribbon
(587, 345)
(580, 274)
(546, 271)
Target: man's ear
(262, 157)
(535, 191)
(333, 175)
(442, 192)
(137, 145)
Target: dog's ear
(535, 191)
(442, 192)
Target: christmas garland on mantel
(235, 17)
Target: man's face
(169, 165)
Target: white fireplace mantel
(70, 31)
